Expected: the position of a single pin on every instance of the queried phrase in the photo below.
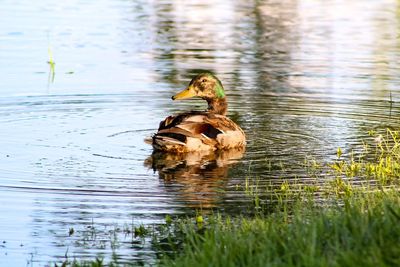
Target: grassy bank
(340, 222)
(364, 231)
(351, 217)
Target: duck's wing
(232, 136)
(186, 132)
(196, 131)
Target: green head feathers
(204, 85)
(219, 90)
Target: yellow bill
(187, 93)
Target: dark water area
(302, 79)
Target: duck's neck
(217, 105)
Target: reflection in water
(200, 176)
(191, 37)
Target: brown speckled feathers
(197, 131)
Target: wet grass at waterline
(373, 166)
(348, 214)
(362, 229)
(365, 231)
(378, 161)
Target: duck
(208, 130)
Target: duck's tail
(169, 142)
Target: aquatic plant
(379, 161)
(52, 64)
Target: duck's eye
(204, 80)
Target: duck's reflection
(197, 178)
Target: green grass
(361, 229)
(334, 221)
(320, 224)
(364, 231)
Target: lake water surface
(302, 78)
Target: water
(302, 77)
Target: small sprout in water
(199, 219)
(285, 187)
(168, 219)
(52, 65)
(311, 188)
(371, 132)
(71, 231)
(341, 187)
(69, 72)
(140, 231)
(339, 152)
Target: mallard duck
(200, 130)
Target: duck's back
(196, 131)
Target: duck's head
(205, 86)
